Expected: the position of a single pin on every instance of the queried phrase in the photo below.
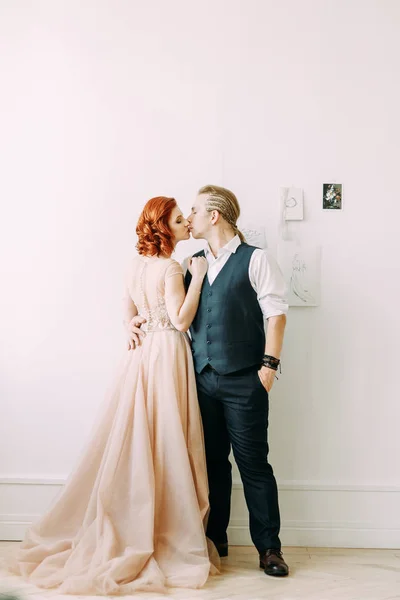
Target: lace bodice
(146, 286)
(156, 315)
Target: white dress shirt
(264, 274)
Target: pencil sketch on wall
(293, 204)
(254, 235)
(300, 266)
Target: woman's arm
(129, 310)
(181, 306)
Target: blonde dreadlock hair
(226, 203)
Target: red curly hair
(155, 237)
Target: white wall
(106, 103)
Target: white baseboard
(322, 535)
(326, 535)
(343, 515)
(13, 527)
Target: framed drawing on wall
(332, 196)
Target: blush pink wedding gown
(133, 513)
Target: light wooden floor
(316, 574)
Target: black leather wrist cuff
(271, 362)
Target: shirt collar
(230, 247)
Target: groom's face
(199, 219)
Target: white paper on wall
(300, 266)
(255, 235)
(293, 207)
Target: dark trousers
(234, 410)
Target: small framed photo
(332, 198)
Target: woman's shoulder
(163, 265)
(172, 261)
(134, 265)
(173, 268)
(134, 261)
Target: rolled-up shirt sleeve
(267, 280)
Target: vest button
(208, 358)
(208, 325)
(208, 342)
(210, 293)
(208, 309)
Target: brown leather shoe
(273, 564)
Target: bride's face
(178, 225)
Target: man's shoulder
(246, 245)
(246, 249)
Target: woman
(132, 515)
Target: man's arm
(273, 347)
(267, 280)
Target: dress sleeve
(129, 309)
(173, 269)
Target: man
(235, 367)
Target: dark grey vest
(228, 329)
